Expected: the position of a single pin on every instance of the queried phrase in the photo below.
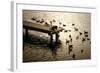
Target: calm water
(82, 23)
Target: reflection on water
(75, 38)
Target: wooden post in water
(26, 33)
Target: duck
(73, 24)
(64, 25)
(33, 18)
(77, 37)
(46, 24)
(70, 47)
(85, 32)
(86, 35)
(69, 36)
(54, 27)
(88, 38)
(42, 21)
(67, 42)
(83, 39)
(80, 33)
(76, 29)
(70, 39)
(37, 20)
(65, 30)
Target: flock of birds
(84, 34)
(84, 38)
(42, 21)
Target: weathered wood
(40, 28)
(26, 33)
(37, 27)
(57, 38)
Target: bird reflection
(82, 50)
(73, 56)
(70, 48)
(54, 53)
(77, 37)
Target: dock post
(57, 38)
(26, 33)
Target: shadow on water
(54, 47)
(42, 42)
(36, 40)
